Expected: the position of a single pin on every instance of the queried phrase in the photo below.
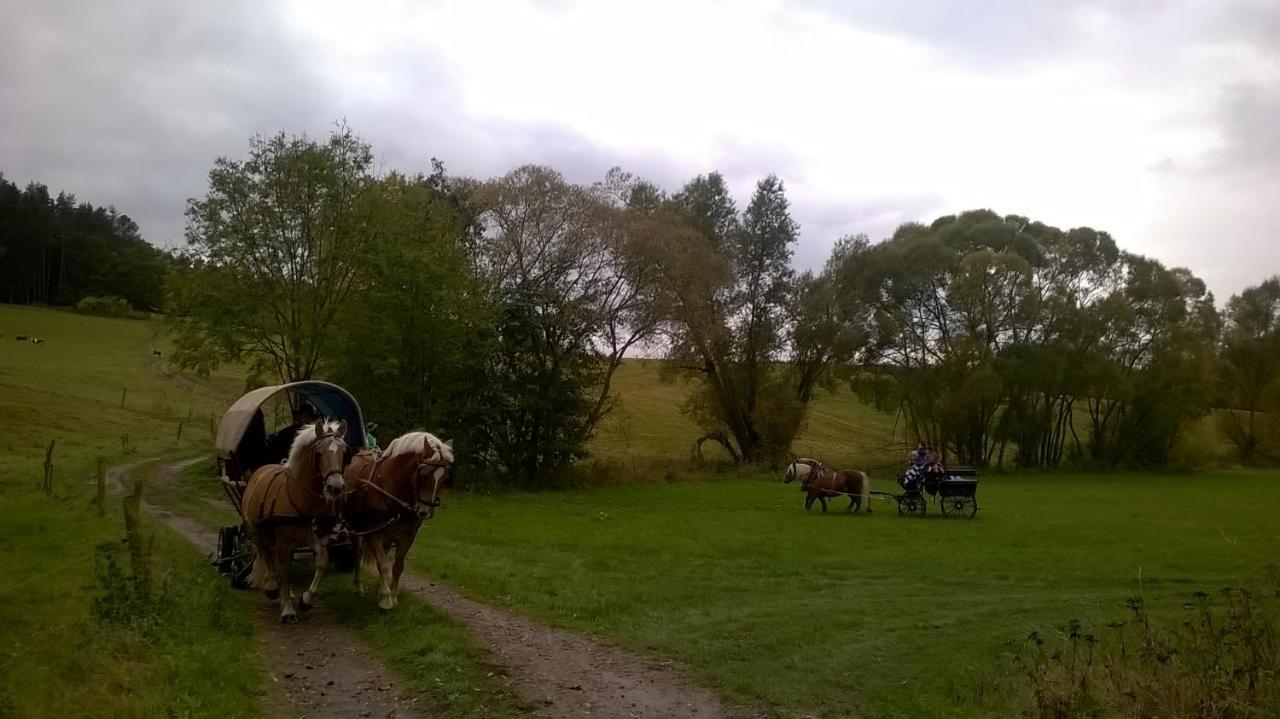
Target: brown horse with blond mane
(390, 495)
(820, 482)
(286, 507)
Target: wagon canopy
(329, 399)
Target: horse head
(432, 466)
(796, 469)
(329, 452)
(433, 471)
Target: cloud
(1154, 121)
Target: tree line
(56, 250)
(499, 311)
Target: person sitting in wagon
(921, 460)
(279, 443)
(918, 463)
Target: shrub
(108, 307)
(1221, 661)
(131, 597)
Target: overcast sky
(1156, 121)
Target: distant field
(883, 615)
(647, 425)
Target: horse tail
(260, 575)
(866, 491)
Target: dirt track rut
(570, 675)
(560, 674)
(319, 669)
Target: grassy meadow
(647, 428)
(803, 614)
(893, 616)
(184, 654)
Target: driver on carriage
(279, 443)
(919, 464)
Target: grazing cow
(22, 338)
(36, 341)
(156, 353)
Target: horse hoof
(304, 605)
(288, 618)
(273, 594)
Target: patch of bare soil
(316, 669)
(569, 675)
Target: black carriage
(955, 490)
(239, 444)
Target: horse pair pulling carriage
(328, 497)
(953, 488)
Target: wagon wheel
(972, 503)
(234, 556)
(954, 505)
(912, 505)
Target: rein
(418, 509)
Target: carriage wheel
(957, 505)
(912, 505)
(973, 506)
(235, 555)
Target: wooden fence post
(47, 483)
(123, 391)
(133, 534)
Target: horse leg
(282, 559)
(321, 550)
(824, 504)
(264, 568)
(402, 551)
(808, 502)
(384, 574)
(852, 502)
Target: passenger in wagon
(279, 443)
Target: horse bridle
(325, 478)
(418, 509)
(814, 468)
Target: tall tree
(572, 273)
(418, 330)
(56, 250)
(732, 299)
(274, 250)
(1251, 372)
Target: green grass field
(800, 613)
(56, 658)
(894, 616)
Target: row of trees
(499, 311)
(55, 250)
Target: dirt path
(561, 674)
(570, 675)
(316, 669)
